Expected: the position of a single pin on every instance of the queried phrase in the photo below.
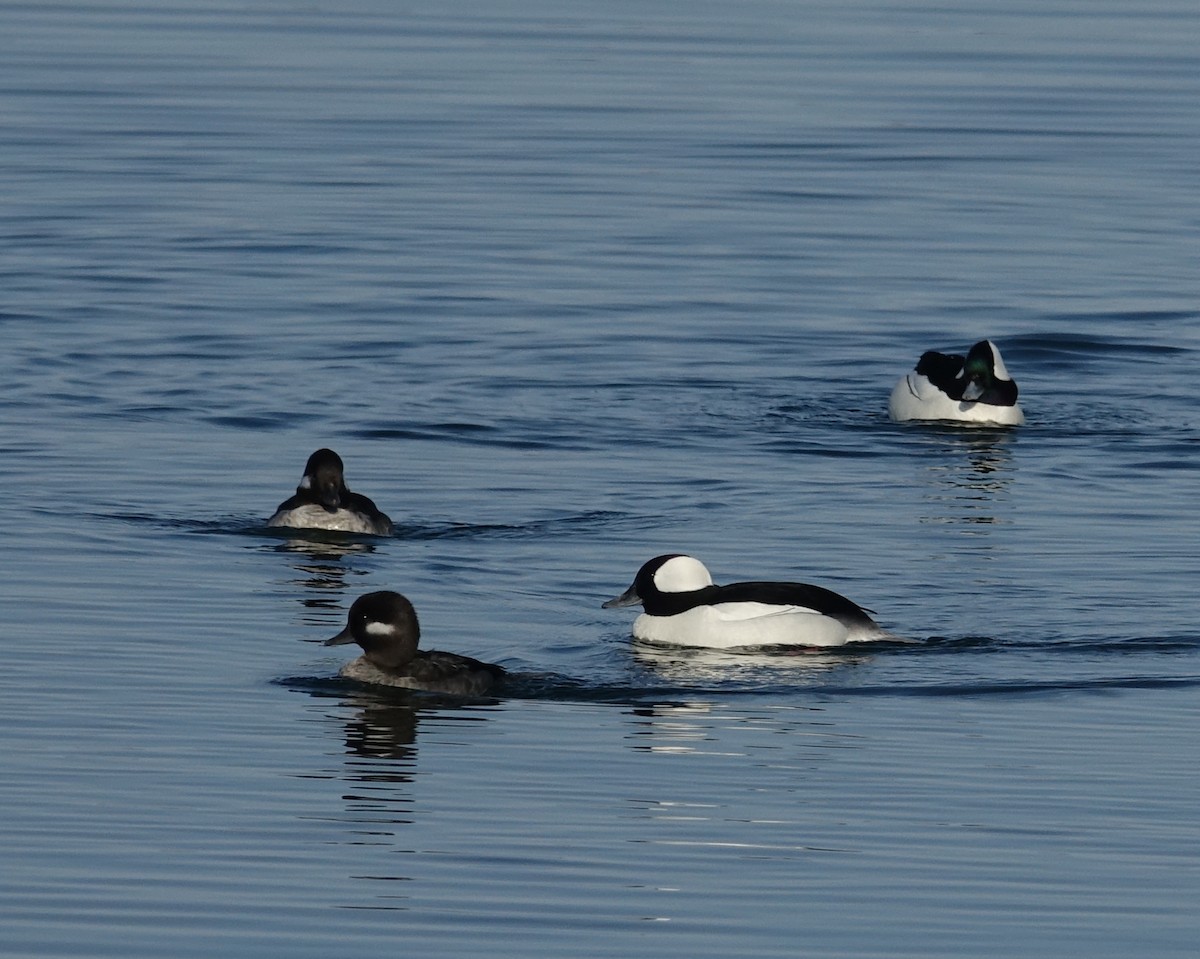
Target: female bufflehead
(683, 607)
(946, 386)
(385, 625)
(322, 501)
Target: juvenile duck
(385, 625)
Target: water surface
(568, 287)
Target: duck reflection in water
(384, 730)
(321, 569)
(970, 477)
(717, 668)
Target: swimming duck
(683, 607)
(945, 386)
(385, 625)
(322, 501)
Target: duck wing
(943, 370)
(797, 595)
(436, 666)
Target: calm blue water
(567, 286)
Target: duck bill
(973, 392)
(341, 639)
(627, 598)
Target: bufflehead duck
(945, 386)
(683, 607)
(385, 625)
(322, 501)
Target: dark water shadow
(284, 538)
(682, 675)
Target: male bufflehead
(684, 608)
(385, 625)
(944, 386)
(322, 501)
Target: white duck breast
(684, 608)
(311, 516)
(732, 625)
(974, 389)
